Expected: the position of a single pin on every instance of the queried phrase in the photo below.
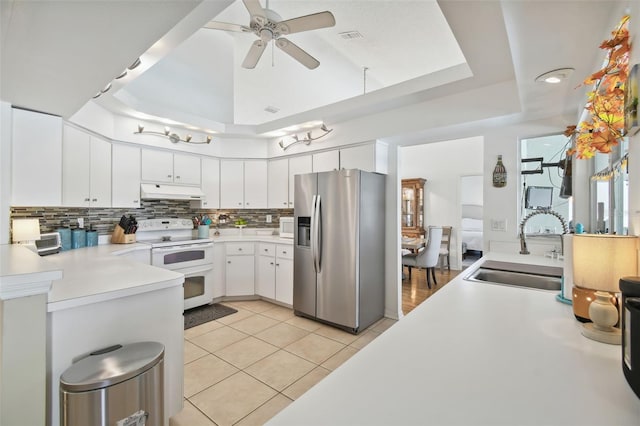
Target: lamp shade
(600, 260)
(25, 230)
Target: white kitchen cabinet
(326, 161)
(167, 167)
(255, 184)
(278, 184)
(210, 184)
(86, 169)
(243, 184)
(240, 269)
(231, 184)
(275, 272)
(36, 159)
(297, 165)
(219, 270)
(370, 158)
(125, 176)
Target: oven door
(180, 257)
(198, 286)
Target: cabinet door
(358, 157)
(76, 167)
(284, 274)
(36, 159)
(210, 183)
(219, 287)
(240, 276)
(125, 169)
(278, 181)
(157, 166)
(297, 166)
(231, 184)
(326, 161)
(255, 184)
(186, 169)
(100, 173)
(266, 280)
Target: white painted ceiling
(57, 54)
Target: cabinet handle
(266, 250)
(94, 200)
(285, 203)
(284, 252)
(277, 264)
(87, 199)
(247, 203)
(205, 203)
(228, 261)
(177, 177)
(168, 176)
(239, 204)
(240, 249)
(135, 201)
(270, 263)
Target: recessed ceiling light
(555, 76)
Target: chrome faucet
(565, 229)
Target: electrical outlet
(268, 218)
(499, 225)
(80, 222)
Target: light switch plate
(499, 225)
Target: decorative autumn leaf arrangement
(605, 103)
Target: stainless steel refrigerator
(339, 246)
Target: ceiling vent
(272, 109)
(350, 35)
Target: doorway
(471, 222)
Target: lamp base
(613, 337)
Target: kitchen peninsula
(476, 354)
(104, 299)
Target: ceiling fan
(269, 26)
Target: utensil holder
(119, 237)
(203, 231)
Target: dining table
(413, 244)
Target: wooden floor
(415, 291)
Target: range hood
(152, 191)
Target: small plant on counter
(240, 222)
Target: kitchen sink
(518, 275)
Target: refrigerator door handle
(317, 235)
(313, 227)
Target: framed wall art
(631, 124)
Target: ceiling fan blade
(296, 53)
(254, 8)
(255, 52)
(213, 25)
(306, 23)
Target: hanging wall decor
(499, 174)
(631, 124)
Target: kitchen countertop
(23, 272)
(476, 354)
(95, 274)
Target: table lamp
(599, 261)
(25, 230)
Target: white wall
(634, 140)
(442, 164)
(5, 170)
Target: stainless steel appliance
(630, 288)
(286, 227)
(339, 248)
(174, 247)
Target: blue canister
(92, 238)
(78, 238)
(203, 231)
(579, 228)
(65, 238)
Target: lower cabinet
(239, 269)
(275, 272)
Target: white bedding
(472, 233)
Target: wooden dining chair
(428, 257)
(445, 246)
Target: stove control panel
(164, 224)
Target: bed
(471, 228)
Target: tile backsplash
(104, 219)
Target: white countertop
(95, 274)
(476, 354)
(24, 273)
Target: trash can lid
(111, 366)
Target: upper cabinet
(413, 207)
(125, 175)
(210, 184)
(86, 170)
(297, 166)
(278, 181)
(326, 161)
(370, 158)
(36, 159)
(167, 167)
(243, 184)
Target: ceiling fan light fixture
(555, 76)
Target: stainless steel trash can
(119, 385)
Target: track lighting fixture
(308, 138)
(173, 137)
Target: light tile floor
(244, 368)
